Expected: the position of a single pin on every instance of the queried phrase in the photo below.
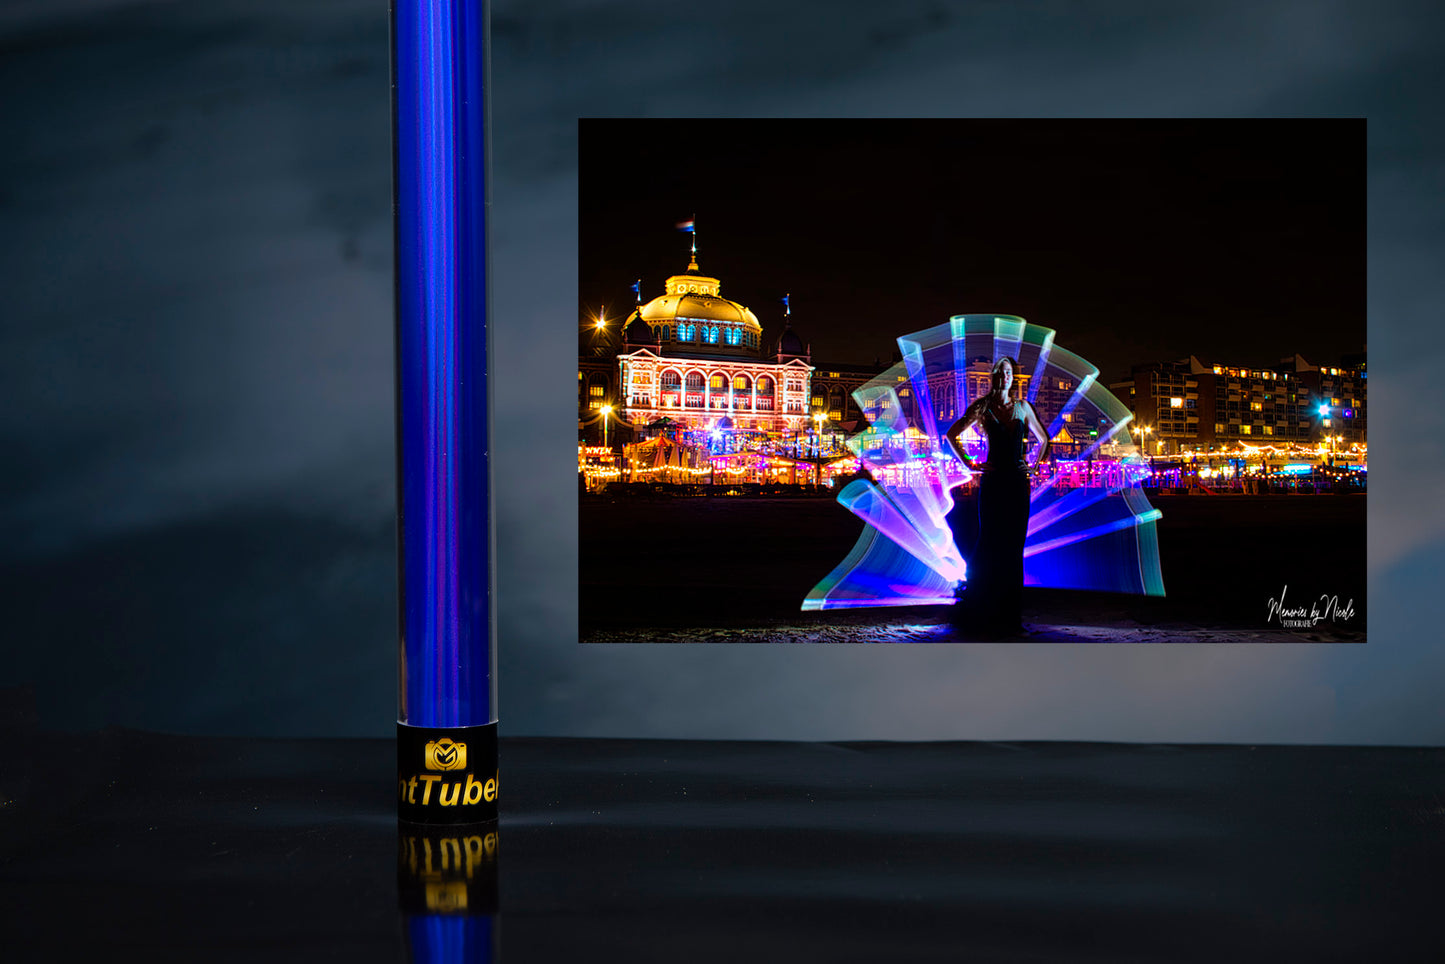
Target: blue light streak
(447, 660)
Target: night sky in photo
(1238, 241)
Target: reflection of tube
(446, 725)
(451, 940)
(447, 890)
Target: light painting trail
(1090, 524)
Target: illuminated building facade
(695, 357)
(1188, 405)
(833, 388)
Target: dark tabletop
(137, 844)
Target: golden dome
(695, 297)
(666, 309)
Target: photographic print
(961, 380)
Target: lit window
(718, 381)
(1245, 429)
(1269, 430)
(1176, 403)
(1256, 406)
(1068, 416)
(598, 391)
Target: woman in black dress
(994, 595)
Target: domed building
(694, 356)
(693, 314)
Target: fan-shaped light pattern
(1090, 526)
(878, 571)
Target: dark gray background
(195, 353)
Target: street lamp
(1324, 414)
(606, 411)
(1143, 432)
(819, 420)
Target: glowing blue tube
(443, 940)
(447, 622)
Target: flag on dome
(685, 226)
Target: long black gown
(994, 594)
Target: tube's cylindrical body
(446, 731)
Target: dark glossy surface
(206, 849)
(442, 410)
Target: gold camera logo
(449, 897)
(443, 754)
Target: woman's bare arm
(1032, 419)
(956, 430)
